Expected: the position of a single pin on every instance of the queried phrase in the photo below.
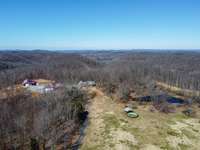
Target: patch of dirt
(175, 142)
(188, 134)
(120, 136)
(150, 147)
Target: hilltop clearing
(110, 128)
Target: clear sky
(99, 24)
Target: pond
(167, 98)
(174, 100)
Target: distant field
(179, 91)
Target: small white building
(86, 84)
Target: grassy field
(179, 91)
(110, 128)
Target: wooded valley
(47, 119)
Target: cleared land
(174, 89)
(110, 128)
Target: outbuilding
(28, 82)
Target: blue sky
(99, 24)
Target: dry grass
(110, 128)
(178, 91)
(44, 81)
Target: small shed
(86, 84)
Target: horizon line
(106, 49)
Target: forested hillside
(25, 118)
